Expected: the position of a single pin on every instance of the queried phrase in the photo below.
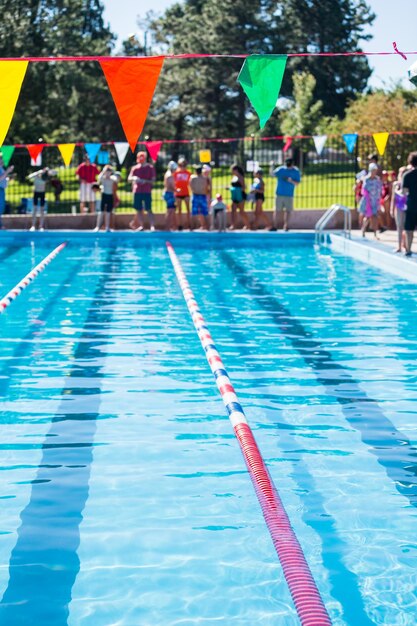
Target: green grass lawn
(320, 187)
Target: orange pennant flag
(12, 74)
(34, 150)
(66, 150)
(132, 84)
(381, 140)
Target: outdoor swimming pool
(124, 497)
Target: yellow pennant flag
(66, 150)
(12, 74)
(381, 140)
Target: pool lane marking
(17, 290)
(344, 583)
(44, 562)
(392, 448)
(305, 594)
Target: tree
(59, 101)
(202, 97)
(327, 26)
(304, 115)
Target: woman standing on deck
(371, 198)
(237, 188)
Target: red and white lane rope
(307, 600)
(17, 290)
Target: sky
(395, 21)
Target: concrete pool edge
(374, 254)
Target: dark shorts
(142, 201)
(217, 211)
(169, 198)
(259, 196)
(410, 220)
(106, 202)
(39, 198)
(199, 205)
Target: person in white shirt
(108, 185)
(40, 179)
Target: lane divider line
(305, 594)
(17, 290)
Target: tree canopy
(59, 101)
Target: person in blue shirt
(288, 177)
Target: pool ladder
(320, 237)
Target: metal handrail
(327, 216)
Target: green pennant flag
(7, 152)
(261, 77)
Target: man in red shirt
(182, 190)
(87, 173)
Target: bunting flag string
(66, 150)
(319, 143)
(153, 147)
(381, 140)
(350, 141)
(12, 74)
(132, 84)
(261, 78)
(287, 145)
(35, 150)
(121, 148)
(92, 150)
(7, 153)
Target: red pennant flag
(287, 145)
(34, 149)
(153, 148)
(132, 84)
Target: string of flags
(93, 150)
(132, 83)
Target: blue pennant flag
(350, 141)
(92, 150)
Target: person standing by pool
(40, 179)
(399, 206)
(87, 173)
(206, 169)
(218, 213)
(238, 193)
(371, 199)
(4, 173)
(169, 194)
(258, 189)
(182, 191)
(142, 176)
(410, 189)
(288, 177)
(199, 187)
(108, 184)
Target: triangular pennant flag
(350, 141)
(66, 150)
(34, 150)
(121, 148)
(153, 147)
(319, 143)
(132, 84)
(261, 77)
(12, 74)
(92, 150)
(287, 145)
(381, 141)
(7, 153)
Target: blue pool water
(124, 498)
